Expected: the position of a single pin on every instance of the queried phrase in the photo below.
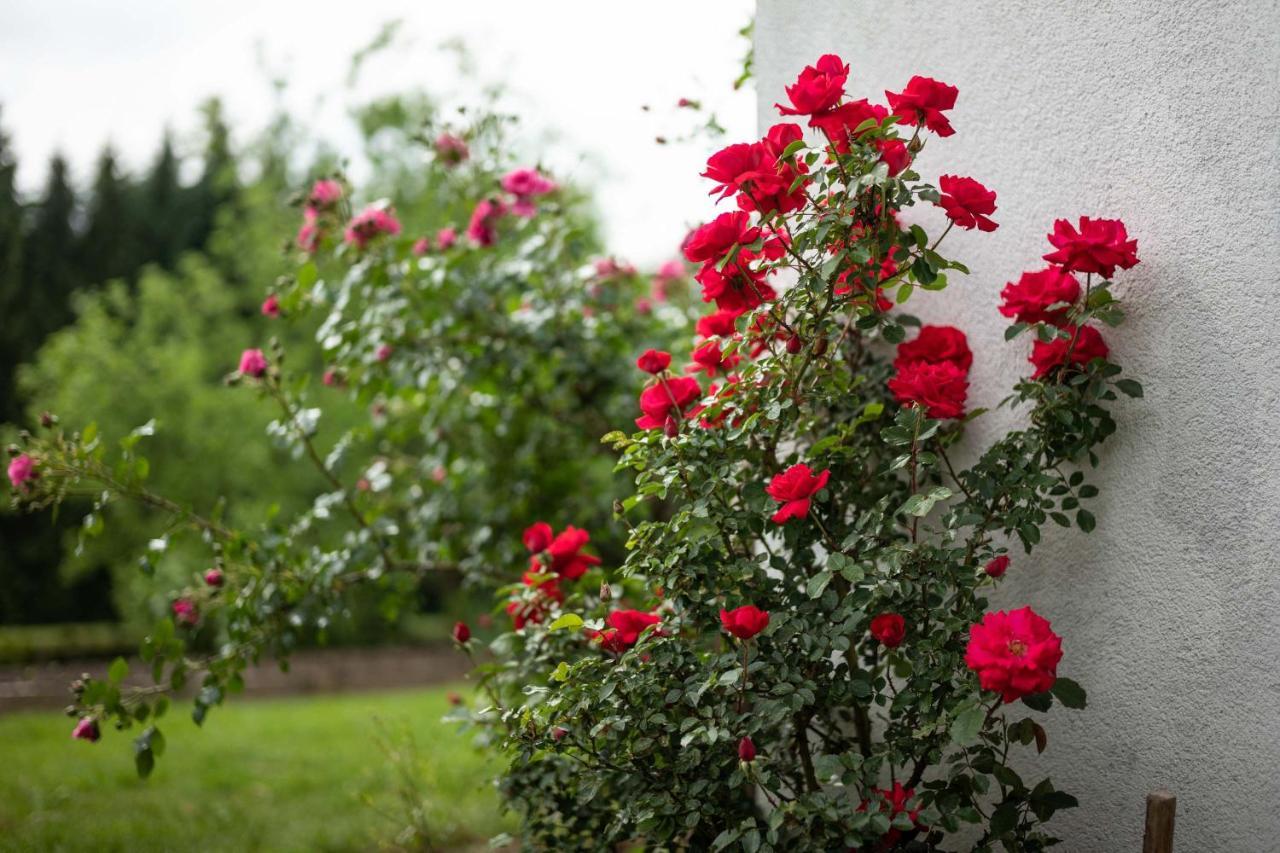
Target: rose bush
(797, 649)
(818, 667)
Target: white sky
(77, 73)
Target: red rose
(889, 629)
(940, 388)
(1015, 654)
(967, 202)
(667, 400)
(567, 559)
(736, 289)
(818, 89)
(533, 609)
(1099, 246)
(997, 567)
(461, 633)
(654, 361)
(893, 802)
(630, 624)
(840, 123)
(86, 729)
(744, 622)
(537, 537)
(936, 344)
(922, 102)
(214, 577)
(894, 154)
(1029, 299)
(746, 750)
(708, 358)
(794, 488)
(1047, 356)
(712, 241)
(720, 324)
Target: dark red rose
(1099, 246)
(736, 289)
(818, 89)
(744, 622)
(708, 358)
(713, 241)
(537, 537)
(746, 750)
(889, 629)
(840, 123)
(667, 400)
(214, 577)
(936, 344)
(940, 388)
(893, 802)
(967, 202)
(630, 624)
(997, 567)
(1029, 300)
(922, 102)
(720, 324)
(894, 154)
(654, 361)
(1047, 356)
(461, 633)
(794, 488)
(567, 559)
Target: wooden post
(1158, 837)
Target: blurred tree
(49, 274)
(12, 299)
(218, 180)
(165, 210)
(109, 249)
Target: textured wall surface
(1164, 113)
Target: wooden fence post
(1158, 837)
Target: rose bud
(461, 633)
(48, 419)
(671, 428)
(558, 733)
(997, 567)
(86, 729)
(214, 577)
(746, 750)
(889, 628)
(794, 344)
(454, 698)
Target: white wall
(1164, 113)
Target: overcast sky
(77, 73)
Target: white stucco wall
(1164, 113)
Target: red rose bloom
(214, 578)
(889, 629)
(712, 241)
(1099, 246)
(185, 613)
(630, 624)
(744, 622)
(720, 324)
(746, 750)
(894, 154)
(1047, 356)
(840, 123)
(922, 102)
(997, 567)
(533, 609)
(936, 344)
(1015, 654)
(1029, 299)
(893, 802)
(461, 633)
(667, 400)
(537, 537)
(567, 559)
(708, 357)
(736, 289)
(818, 89)
(940, 388)
(654, 361)
(967, 202)
(794, 488)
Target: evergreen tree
(109, 247)
(217, 186)
(49, 274)
(164, 214)
(11, 283)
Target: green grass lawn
(308, 773)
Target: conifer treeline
(69, 239)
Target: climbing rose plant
(798, 651)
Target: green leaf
(818, 583)
(561, 672)
(967, 726)
(1038, 701)
(1004, 818)
(567, 621)
(790, 150)
(118, 671)
(1132, 387)
(1014, 330)
(1086, 521)
(1069, 693)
